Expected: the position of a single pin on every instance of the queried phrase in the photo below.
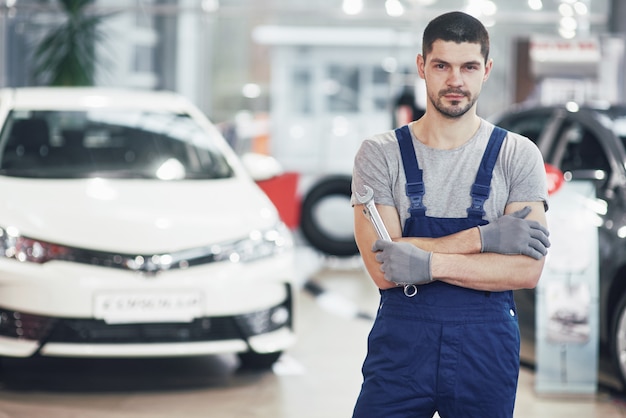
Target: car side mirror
(260, 166)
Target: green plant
(66, 56)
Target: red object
(283, 192)
(555, 178)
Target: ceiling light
(567, 34)
(566, 10)
(473, 8)
(535, 4)
(581, 8)
(352, 7)
(569, 23)
(390, 64)
(489, 8)
(478, 8)
(394, 8)
(251, 90)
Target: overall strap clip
(414, 182)
(415, 192)
(482, 185)
(479, 195)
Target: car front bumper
(53, 310)
(266, 331)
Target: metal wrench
(370, 211)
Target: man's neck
(437, 131)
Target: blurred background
(313, 78)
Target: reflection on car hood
(134, 216)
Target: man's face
(454, 75)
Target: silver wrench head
(367, 197)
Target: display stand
(567, 295)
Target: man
(464, 203)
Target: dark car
(586, 142)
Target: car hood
(134, 216)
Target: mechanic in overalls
(464, 203)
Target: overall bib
(447, 348)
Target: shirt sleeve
(371, 168)
(527, 173)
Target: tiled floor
(318, 378)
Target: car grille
(94, 331)
(98, 331)
(19, 325)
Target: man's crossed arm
(502, 255)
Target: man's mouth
(454, 95)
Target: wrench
(370, 211)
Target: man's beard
(454, 110)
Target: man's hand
(403, 263)
(512, 234)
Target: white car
(129, 228)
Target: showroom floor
(318, 378)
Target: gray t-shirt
(518, 176)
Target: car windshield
(615, 119)
(113, 144)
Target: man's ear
(420, 65)
(488, 68)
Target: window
(578, 149)
(342, 88)
(301, 87)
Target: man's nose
(454, 77)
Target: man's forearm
(511, 234)
(463, 242)
(487, 271)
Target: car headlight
(258, 244)
(14, 245)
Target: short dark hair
(456, 27)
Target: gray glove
(512, 234)
(403, 263)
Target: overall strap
(482, 185)
(414, 183)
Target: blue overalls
(447, 349)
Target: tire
(326, 217)
(257, 361)
(618, 339)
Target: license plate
(148, 307)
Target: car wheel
(326, 218)
(619, 338)
(257, 361)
